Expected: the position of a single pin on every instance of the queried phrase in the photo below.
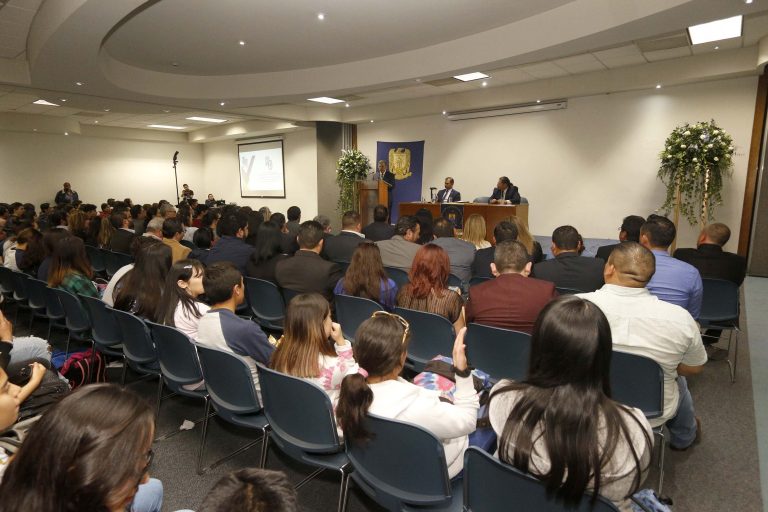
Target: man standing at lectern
(389, 178)
(505, 192)
(448, 194)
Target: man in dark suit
(448, 194)
(628, 232)
(505, 192)
(512, 300)
(231, 246)
(123, 235)
(288, 244)
(340, 247)
(503, 232)
(306, 271)
(380, 228)
(710, 258)
(567, 269)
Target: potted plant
(352, 166)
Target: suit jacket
(510, 301)
(232, 249)
(397, 252)
(288, 243)
(715, 263)
(461, 255)
(481, 266)
(376, 231)
(454, 196)
(307, 272)
(569, 270)
(511, 194)
(604, 251)
(178, 251)
(121, 241)
(341, 246)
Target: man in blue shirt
(674, 281)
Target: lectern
(370, 193)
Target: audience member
(428, 287)
(294, 220)
(105, 233)
(57, 220)
(341, 246)
(265, 212)
(140, 243)
(380, 228)
(29, 251)
(255, 220)
(644, 325)
(70, 269)
(710, 259)
(140, 290)
(306, 271)
(425, 220)
(628, 232)
(154, 229)
(399, 250)
(266, 254)
(221, 328)
(475, 231)
(173, 232)
(674, 281)
(512, 300)
(185, 216)
(51, 239)
(200, 211)
(567, 269)
(123, 234)
(139, 217)
(231, 246)
(181, 306)
(461, 254)
(42, 219)
(90, 451)
(288, 243)
(324, 222)
(380, 348)
(167, 211)
(76, 222)
(503, 232)
(366, 278)
(313, 347)
(251, 490)
(560, 423)
(524, 237)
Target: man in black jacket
(567, 269)
(503, 231)
(710, 258)
(628, 232)
(341, 246)
(505, 192)
(380, 228)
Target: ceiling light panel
(207, 119)
(43, 102)
(468, 77)
(166, 126)
(326, 100)
(716, 30)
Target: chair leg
(662, 445)
(308, 478)
(203, 436)
(264, 448)
(201, 470)
(159, 397)
(175, 432)
(124, 372)
(344, 488)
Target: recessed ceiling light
(166, 126)
(106, 110)
(175, 64)
(43, 102)
(717, 47)
(222, 103)
(747, 1)
(207, 119)
(658, 86)
(538, 101)
(418, 79)
(346, 105)
(716, 30)
(95, 122)
(78, 83)
(64, 100)
(241, 42)
(66, 133)
(166, 111)
(468, 77)
(34, 129)
(326, 100)
(444, 112)
(320, 16)
(371, 120)
(484, 84)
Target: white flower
(702, 136)
(716, 132)
(696, 127)
(695, 159)
(709, 145)
(717, 159)
(730, 148)
(686, 132)
(683, 146)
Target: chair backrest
(36, 293)
(114, 261)
(187, 243)
(265, 300)
(288, 294)
(177, 354)
(490, 484)
(228, 381)
(53, 308)
(482, 199)
(299, 412)
(478, 280)
(18, 280)
(137, 342)
(720, 301)
(567, 291)
(6, 280)
(431, 335)
(96, 258)
(455, 281)
(402, 463)
(104, 327)
(637, 381)
(343, 264)
(76, 318)
(400, 277)
(353, 311)
(501, 353)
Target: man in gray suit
(399, 251)
(460, 252)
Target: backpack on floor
(78, 371)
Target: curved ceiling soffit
(73, 32)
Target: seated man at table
(505, 192)
(448, 194)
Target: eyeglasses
(403, 322)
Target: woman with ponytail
(560, 423)
(380, 347)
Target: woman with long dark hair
(560, 423)
(312, 346)
(266, 254)
(29, 251)
(180, 306)
(380, 348)
(70, 268)
(428, 287)
(91, 451)
(141, 289)
(366, 278)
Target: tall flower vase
(352, 166)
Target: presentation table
(492, 213)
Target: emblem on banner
(400, 163)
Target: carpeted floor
(721, 473)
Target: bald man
(643, 324)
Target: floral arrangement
(352, 166)
(694, 162)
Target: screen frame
(239, 176)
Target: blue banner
(400, 164)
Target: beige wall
(222, 178)
(33, 167)
(589, 165)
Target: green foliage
(696, 158)
(353, 165)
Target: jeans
(149, 497)
(682, 426)
(29, 347)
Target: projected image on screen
(261, 169)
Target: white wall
(222, 174)
(33, 167)
(589, 165)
